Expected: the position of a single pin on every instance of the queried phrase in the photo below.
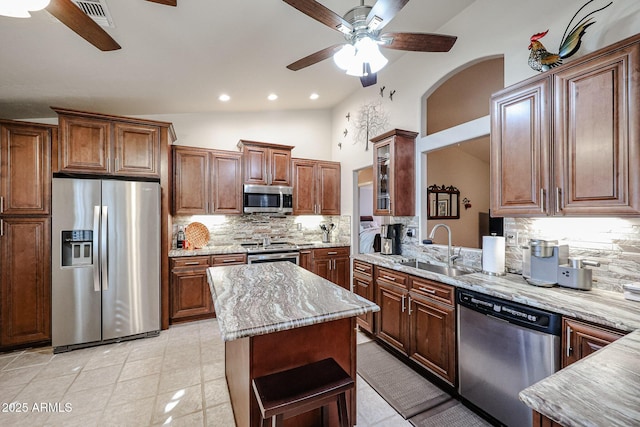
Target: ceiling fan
(362, 27)
(73, 17)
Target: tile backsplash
(233, 229)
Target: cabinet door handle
(403, 297)
(542, 200)
(1, 204)
(108, 164)
(393, 279)
(569, 341)
(305, 252)
(117, 163)
(192, 263)
(360, 268)
(332, 253)
(228, 260)
(427, 290)
(558, 199)
(409, 304)
(1, 227)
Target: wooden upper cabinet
(265, 163)
(84, 145)
(190, 181)
(520, 149)
(596, 129)
(25, 169)
(99, 144)
(316, 187)
(226, 196)
(137, 150)
(206, 181)
(394, 173)
(566, 142)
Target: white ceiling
(180, 59)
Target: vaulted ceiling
(180, 59)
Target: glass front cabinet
(394, 168)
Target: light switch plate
(511, 239)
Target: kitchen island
(276, 316)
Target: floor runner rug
(402, 387)
(449, 414)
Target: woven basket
(197, 234)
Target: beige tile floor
(174, 379)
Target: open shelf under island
(277, 316)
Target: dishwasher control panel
(518, 314)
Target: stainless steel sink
(440, 269)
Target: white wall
(307, 130)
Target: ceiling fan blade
(167, 2)
(418, 42)
(74, 18)
(320, 13)
(370, 79)
(385, 10)
(314, 58)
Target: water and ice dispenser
(77, 248)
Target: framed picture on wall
(443, 208)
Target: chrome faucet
(450, 256)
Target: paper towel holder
(493, 273)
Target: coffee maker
(391, 239)
(541, 261)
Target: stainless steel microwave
(267, 199)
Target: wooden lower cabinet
(417, 317)
(190, 296)
(392, 320)
(363, 286)
(333, 264)
(432, 335)
(580, 339)
(306, 259)
(540, 420)
(25, 281)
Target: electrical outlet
(511, 239)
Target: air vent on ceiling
(96, 10)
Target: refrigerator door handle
(104, 247)
(96, 239)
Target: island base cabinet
(540, 420)
(252, 357)
(392, 320)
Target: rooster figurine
(542, 60)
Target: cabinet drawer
(230, 259)
(331, 252)
(391, 276)
(434, 290)
(362, 268)
(190, 262)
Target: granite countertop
(599, 390)
(259, 299)
(236, 248)
(605, 308)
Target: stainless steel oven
(272, 252)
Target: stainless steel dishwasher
(504, 347)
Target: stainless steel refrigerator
(105, 261)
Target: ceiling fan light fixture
(35, 5)
(21, 8)
(345, 56)
(368, 51)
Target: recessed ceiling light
(314, 96)
(224, 97)
(272, 97)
